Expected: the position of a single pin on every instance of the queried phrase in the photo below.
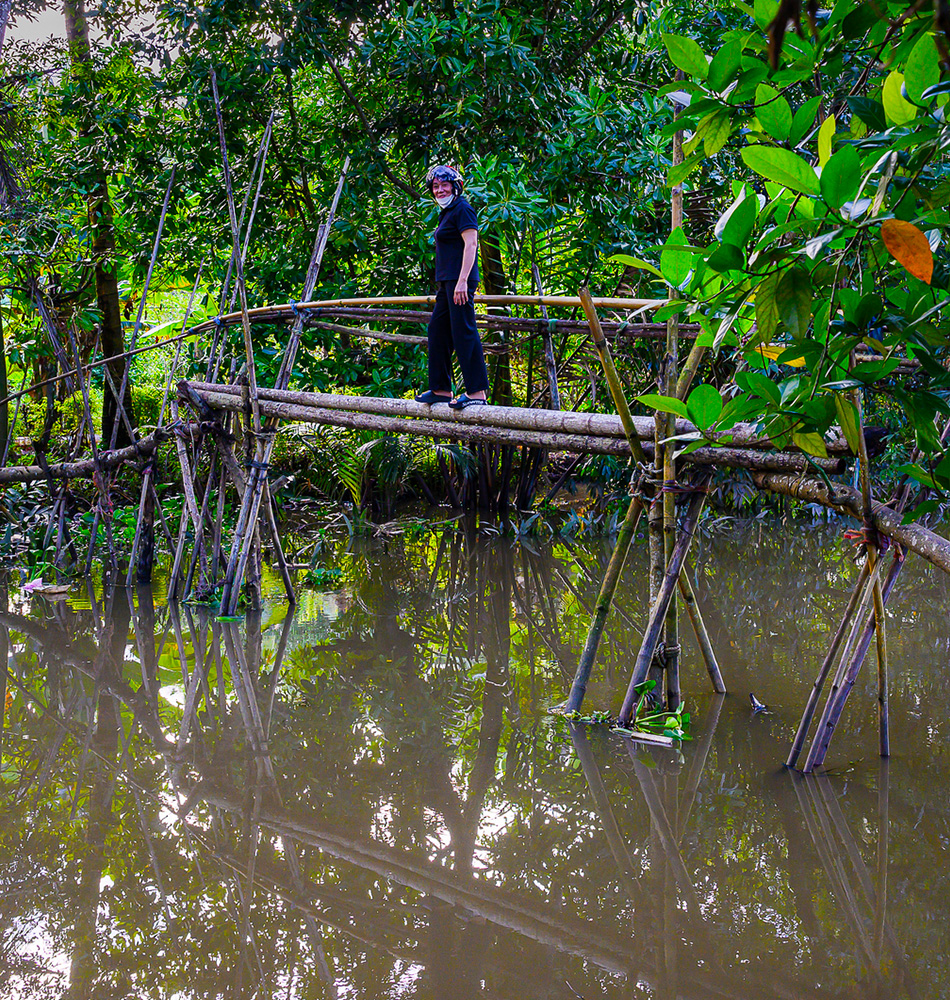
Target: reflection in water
(371, 799)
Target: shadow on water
(371, 799)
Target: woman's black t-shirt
(449, 245)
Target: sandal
(464, 401)
(430, 398)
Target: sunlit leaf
(922, 69)
(643, 265)
(665, 404)
(811, 444)
(826, 136)
(897, 109)
(782, 166)
(686, 55)
(848, 422)
(704, 405)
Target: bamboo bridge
(226, 445)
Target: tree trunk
(99, 208)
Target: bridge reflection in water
(373, 800)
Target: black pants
(453, 326)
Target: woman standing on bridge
(452, 324)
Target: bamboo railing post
(549, 362)
(632, 515)
(658, 612)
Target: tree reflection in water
(200, 808)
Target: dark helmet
(443, 172)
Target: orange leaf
(908, 246)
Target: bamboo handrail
(566, 301)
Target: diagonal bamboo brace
(665, 595)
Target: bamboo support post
(663, 458)
(658, 611)
(826, 729)
(801, 735)
(858, 622)
(701, 633)
(602, 608)
(247, 520)
(250, 397)
(873, 554)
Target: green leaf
(686, 55)
(766, 307)
(793, 299)
(717, 133)
(725, 65)
(741, 221)
(704, 406)
(783, 167)
(681, 171)
(811, 444)
(841, 176)
(726, 257)
(759, 385)
(869, 111)
(665, 404)
(848, 421)
(765, 11)
(922, 69)
(899, 111)
(773, 112)
(803, 120)
(826, 136)
(927, 507)
(676, 258)
(643, 265)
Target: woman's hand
(460, 295)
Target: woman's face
(441, 189)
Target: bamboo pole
(658, 612)
(602, 608)
(589, 306)
(914, 537)
(477, 428)
(743, 436)
(663, 460)
(550, 364)
(857, 624)
(250, 397)
(701, 633)
(873, 554)
(250, 505)
(148, 487)
(816, 756)
(800, 736)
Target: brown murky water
(370, 798)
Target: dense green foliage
(827, 172)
